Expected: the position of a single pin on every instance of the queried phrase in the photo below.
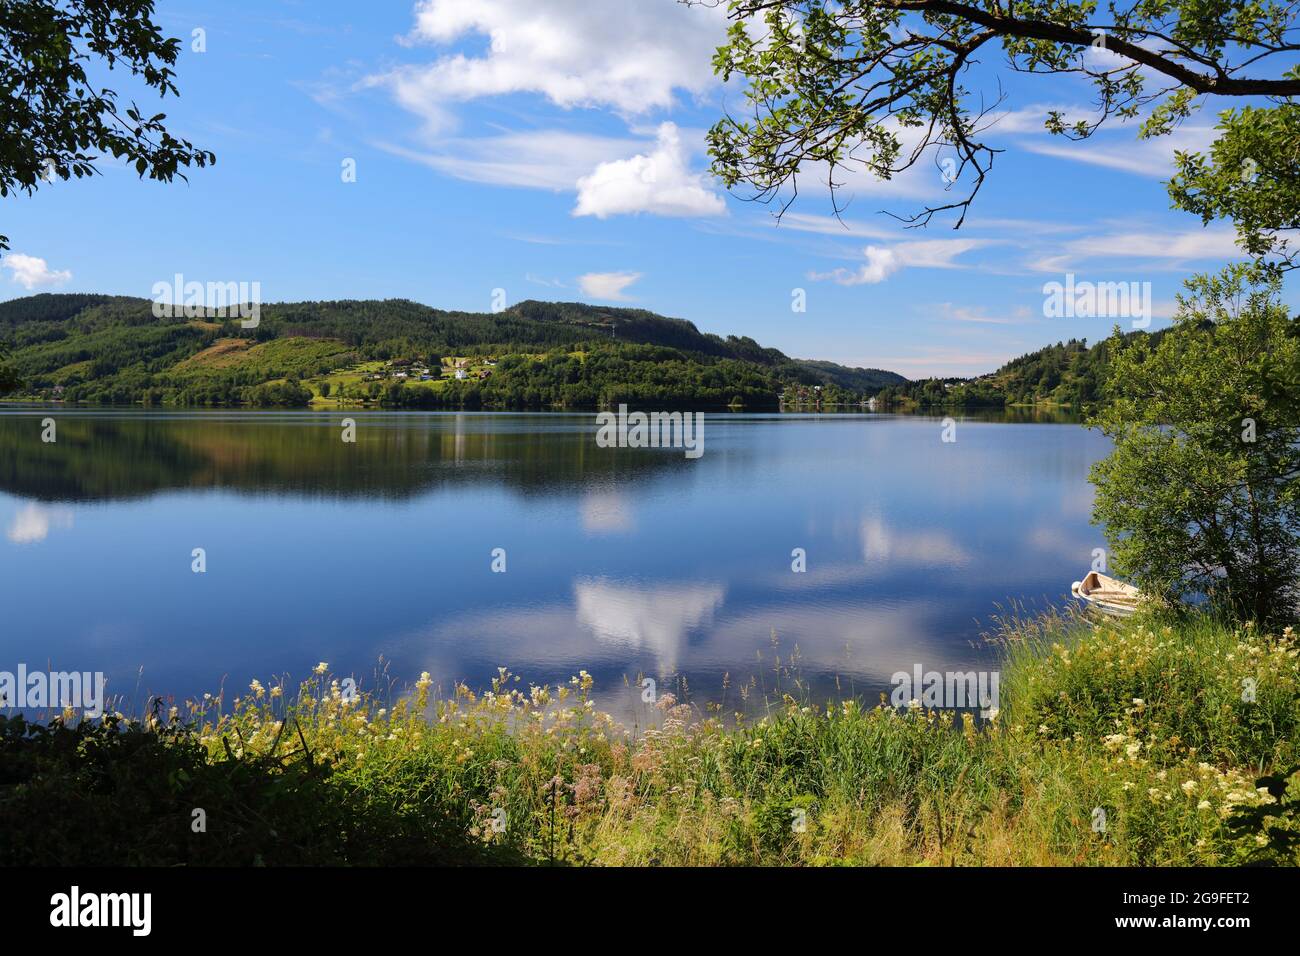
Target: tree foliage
(56, 114)
(1248, 176)
(105, 349)
(880, 85)
(1202, 492)
(9, 378)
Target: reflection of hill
(99, 457)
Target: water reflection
(33, 522)
(922, 548)
(119, 455)
(607, 512)
(654, 620)
(621, 561)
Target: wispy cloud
(943, 362)
(832, 226)
(537, 159)
(883, 546)
(534, 239)
(974, 314)
(884, 261)
(1120, 149)
(611, 175)
(1142, 248)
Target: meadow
(1151, 742)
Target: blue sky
(554, 149)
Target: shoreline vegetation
(95, 350)
(1158, 740)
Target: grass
(1127, 743)
(265, 360)
(221, 354)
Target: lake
(619, 561)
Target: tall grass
(1118, 743)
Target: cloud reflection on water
(656, 619)
(33, 523)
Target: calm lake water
(618, 561)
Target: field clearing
(221, 354)
(273, 360)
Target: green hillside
(1067, 373)
(112, 349)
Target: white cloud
(30, 272)
(607, 285)
(541, 159)
(627, 54)
(884, 261)
(659, 182)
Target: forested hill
(1068, 373)
(99, 348)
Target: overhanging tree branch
(1222, 83)
(878, 84)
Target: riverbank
(1121, 743)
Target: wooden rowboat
(1107, 594)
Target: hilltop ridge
(113, 349)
